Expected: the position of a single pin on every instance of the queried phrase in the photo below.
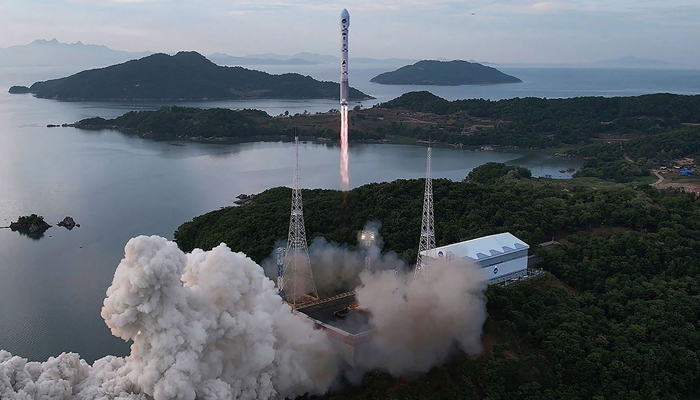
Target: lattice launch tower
(427, 230)
(297, 277)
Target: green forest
(616, 315)
(546, 123)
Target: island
(68, 223)
(31, 225)
(444, 73)
(18, 90)
(185, 76)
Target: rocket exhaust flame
(344, 159)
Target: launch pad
(348, 328)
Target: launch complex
(503, 258)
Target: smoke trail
(344, 160)
(207, 325)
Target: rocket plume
(344, 159)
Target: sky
(500, 31)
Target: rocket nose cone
(345, 17)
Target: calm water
(118, 187)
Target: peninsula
(649, 130)
(444, 73)
(184, 76)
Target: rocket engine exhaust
(344, 94)
(344, 158)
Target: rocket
(344, 88)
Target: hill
(40, 53)
(444, 73)
(186, 75)
(616, 316)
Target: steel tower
(427, 230)
(298, 279)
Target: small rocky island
(18, 90)
(32, 225)
(444, 73)
(68, 223)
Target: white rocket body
(344, 88)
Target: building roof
(482, 248)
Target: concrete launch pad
(347, 328)
(329, 313)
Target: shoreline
(314, 139)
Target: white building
(502, 257)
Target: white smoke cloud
(208, 325)
(418, 321)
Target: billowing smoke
(335, 267)
(418, 321)
(208, 325)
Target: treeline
(189, 123)
(543, 123)
(174, 122)
(616, 318)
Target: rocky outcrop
(68, 223)
(32, 224)
(244, 199)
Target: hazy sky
(521, 31)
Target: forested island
(184, 76)
(444, 73)
(622, 138)
(616, 315)
(33, 226)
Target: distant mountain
(186, 75)
(313, 57)
(225, 59)
(633, 62)
(326, 59)
(383, 61)
(40, 53)
(444, 73)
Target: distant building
(502, 257)
(686, 172)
